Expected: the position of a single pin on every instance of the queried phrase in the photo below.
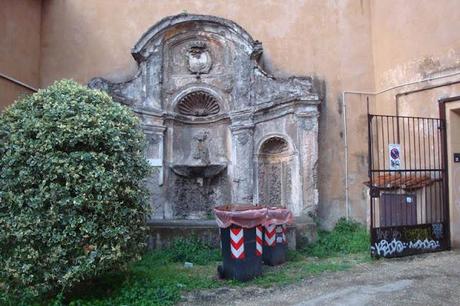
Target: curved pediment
(174, 25)
(201, 52)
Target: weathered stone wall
(200, 85)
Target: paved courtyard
(430, 279)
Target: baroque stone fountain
(220, 129)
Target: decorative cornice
(153, 129)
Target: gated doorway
(408, 185)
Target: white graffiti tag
(424, 245)
(385, 248)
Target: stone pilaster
(308, 149)
(242, 168)
(154, 135)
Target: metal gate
(408, 185)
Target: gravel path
(430, 279)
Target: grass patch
(152, 282)
(347, 237)
(191, 250)
(160, 278)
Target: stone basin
(197, 171)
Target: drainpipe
(369, 93)
(17, 82)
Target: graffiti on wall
(384, 248)
(398, 241)
(437, 230)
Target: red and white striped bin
(241, 232)
(275, 240)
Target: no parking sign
(394, 151)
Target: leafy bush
(347, 237)
(72, 202)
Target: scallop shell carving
(198, 103)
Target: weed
(192, 250)
(347, 237)
(158, 278)
(152, 281)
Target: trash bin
(275, 239)
(241, 233)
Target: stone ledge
(164, 232)
(165, 223)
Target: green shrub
(72, 201)
(347, 237)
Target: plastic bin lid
(244, 215)
(278, 216)
(248, 215)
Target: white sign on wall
(394, 152)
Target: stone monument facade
(219, 128)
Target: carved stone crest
(198, 58)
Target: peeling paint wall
(412, 42)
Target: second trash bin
(241, 233)
(275, 240)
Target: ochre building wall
(415, 40)
(353, 45)
(328, 39)
(19, 47)
(416, 62)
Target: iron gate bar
(418, 194)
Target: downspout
(345, 126)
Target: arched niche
(276, 163)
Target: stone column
(242, 168)
(308, 152)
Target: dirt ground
(429, 279)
